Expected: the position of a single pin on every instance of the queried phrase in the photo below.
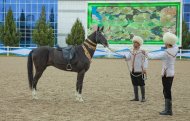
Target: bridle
(91, 45)
(97, 39)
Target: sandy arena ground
(107, 91)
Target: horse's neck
(90, 46)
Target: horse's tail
(30, 70)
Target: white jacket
(138, 61)
(168, 60)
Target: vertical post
(180, 53)
(7, 50)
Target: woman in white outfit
(168, 58)
(138, 66)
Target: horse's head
(98, 37)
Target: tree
(43, 33)
(9, 35)
(185, 36)
(77, 35)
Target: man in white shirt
(168, 58)
(138, 65)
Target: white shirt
(138, 61)
(168, 60)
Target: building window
(187, 17)
(26, 13)
(187, 8)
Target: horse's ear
(102, 29)
(98, 28)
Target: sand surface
(107, 91)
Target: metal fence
(99, 53)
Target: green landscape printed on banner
(123, 20)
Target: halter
(90, 45)
(97, 39)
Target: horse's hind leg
(36, 78)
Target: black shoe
(136, 94)
(134, 99)
(166, 113)
(168, 108)
(143, 100)
(143, 93)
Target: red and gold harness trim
(91, 42)
(90, 46)
(86, 53)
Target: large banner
(146, 19)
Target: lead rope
(144, 77)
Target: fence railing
(100, 52)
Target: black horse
(80, 62)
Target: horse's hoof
(81, 100)
(35, 97)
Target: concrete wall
(68, 12)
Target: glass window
(33, 24)
(21, 1)
(22, 8)
(28, 40)
(28, 1)
(55, 17)
(187, 8)
(34, 17)
(13, 1)
(8, 1)
(187, 1)
(187, 17)
(42, 1)
(18, 16)
(34, 7)
(14, 16)
(40, 7)
(7, 7)
(54, 1)
(28, 17)
(30, 11)
(13, 6)
(1, 7)
(51, 8)
(17, 8)
(1, 16)
(46, 7)
(28, 8)
(37, 17)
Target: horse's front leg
(79, 85)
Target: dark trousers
(137, 81)
(167, 85)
